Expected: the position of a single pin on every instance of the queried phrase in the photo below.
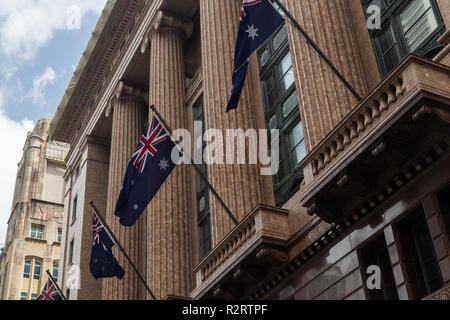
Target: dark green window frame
(390, 20)
(202, 190)
(282, 112)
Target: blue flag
(103, 264)
(258, 21)
(150, 165)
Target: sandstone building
(361, 183)
(33, 239)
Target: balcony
(391, 137)
(250, 253)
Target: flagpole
(200, 173)
(317, 49)
(56, 285)
(122, 249)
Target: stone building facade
(361, 183)
(33, 239)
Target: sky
(41, 43)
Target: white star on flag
(163, 164)
(252, 32)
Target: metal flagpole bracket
(133, 266)
(200, 173)
(56, 285)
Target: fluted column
(324, 100)
(241, 186)
(128, 117)
(170, 240)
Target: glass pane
(298, 154)
(413, 12)
(264, 57)
(23, 296)
(34, 296)
(201, 204)
(37, 270)
(40, 232)
(421, 31)
(55, 270)
(287, 72)
(27, 269)
(290, 104)
(273, 123)
(286, 64)
(386, 39)
(33, 232)
(391, 58)
(279, 38)
(296, 136)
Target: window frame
(290, 183)
(390, 16)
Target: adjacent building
(33, 239)
(361, 183)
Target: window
(27, 268)
(282, 112)
(68, 294)
(37, 232)
(74, 209)
(37, 270)
(376, 253)
(55, 270)
(202, 190)
(58, 239)
(24, 296)
(411, 26)
(422, 267)
(71, 253)
(34, 296)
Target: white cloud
(40, 83)
(27, 25)
(14, 135)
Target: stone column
(170, 240)
(241, 186)
(324, 100)
(128, 117)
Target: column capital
(164, 21)
(123, 90)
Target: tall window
(37, 232)
(417, 247)
(37, 270)
(282, 112)
(27, 268)
(70, 261)
(376, 253)
(409, 26)
(202, 191)
(74, 209)
(58, 239)
(55, 270)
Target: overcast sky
(41, 43)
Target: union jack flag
(247, 3)
(153, 135)
(96, 228)
(50, 292)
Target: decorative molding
(195, 88)
(162, 21)
(124, 90)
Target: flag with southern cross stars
(258, 21)
(103, 264)
(50, 292)
(150, 165)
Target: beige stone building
(33, 239)
(361, 183)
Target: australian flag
(258, 21)
(103, 264)
(150, 165)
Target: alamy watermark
(235, 147)
(73, 17)
(374, 15)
